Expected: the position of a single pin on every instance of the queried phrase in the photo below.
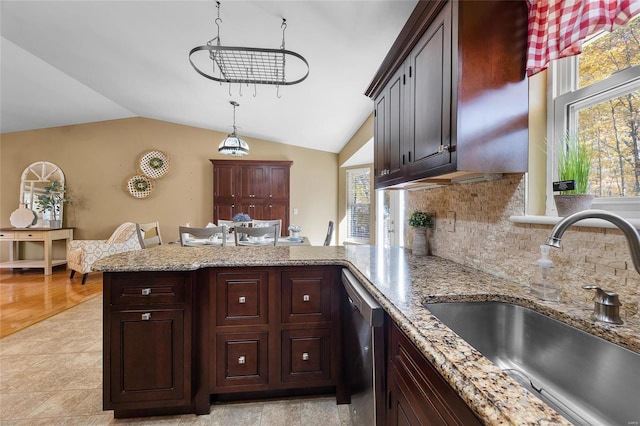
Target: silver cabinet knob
(241, 360)
(242, 299)
(305, 356)
(306, 298)
(146, 316)
(146, 291)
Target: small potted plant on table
(421, 222)
(51, 201)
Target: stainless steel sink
(588, 380)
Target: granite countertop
(401, 282)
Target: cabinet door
(256, 209)
(306, 296)
(391, 129)
(278, 182)
(306, 356)
(224, 210)
(279, 210)
(418, 391)
(224, 179)
(253, 182)
(401, 411)
(430, 77)
(242, 360)
(242, 298)
(150, 359)
(381, 137)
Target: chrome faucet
(629, 231)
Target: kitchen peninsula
(399, 281)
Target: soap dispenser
(542, 286)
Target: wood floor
(27, 296)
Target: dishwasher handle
(361, 300)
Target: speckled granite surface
(401, 282)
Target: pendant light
(232, 144)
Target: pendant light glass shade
(232, 144)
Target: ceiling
(73, 62)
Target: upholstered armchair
(84, 253)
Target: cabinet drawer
(306, 355)
(306, 296)
(28, 235)
(143, 289)
(242, 298)
(6, 235)
(242, 359)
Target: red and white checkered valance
(557, 27)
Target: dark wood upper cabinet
(451, 97)
(258, 188)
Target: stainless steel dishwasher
(363, 352)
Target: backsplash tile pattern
(485, 239)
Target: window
(390, 216)
(596, 97)
(358, 205)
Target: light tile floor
(51, 374)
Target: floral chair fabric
(84, 253)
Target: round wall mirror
(33, 182)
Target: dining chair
(327, 240)
(186, 231)
(259, 223)
(149, 234)
(257, 232)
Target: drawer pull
(306, 298)
(242, 299)
(146, 291)
(146, 316)
(241, 360)
(305, 356)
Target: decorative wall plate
(140, 186)
(154, 164)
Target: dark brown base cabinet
(147, 359)
(416, 393)
(173, 341)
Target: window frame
(563, 97)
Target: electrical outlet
(450, 223)
(295, 211)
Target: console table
(44, 235)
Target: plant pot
(420, 242)
(55, 224)
(572, 203)
(295, 234)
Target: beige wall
(98, 158)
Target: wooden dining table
(254, 242)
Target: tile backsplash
(485, 238)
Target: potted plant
(51, 200)
(574, 164)
(294, 230)
(421, 221)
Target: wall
(360, 138)
(98, 158)
(485, 239)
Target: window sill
(552, 220)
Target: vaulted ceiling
(72, 62)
